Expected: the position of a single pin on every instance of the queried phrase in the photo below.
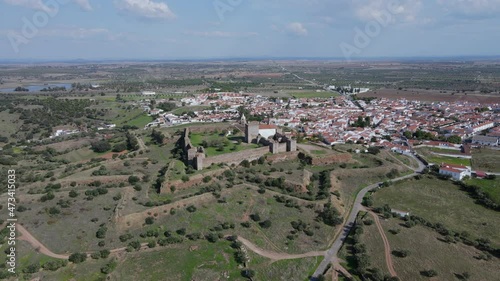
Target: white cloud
(74, 32)
(84, 4)
(221, 34)
(470, 7)
(32, 4)
(297, 28)
(45, 5)
(400, 11)
(146, 9)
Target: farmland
(486, 159)
(490, 187)
(428, 251)
(431, 156)
(442, 202)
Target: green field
(209, 262)
(486, 159)
(180, 110)
(81, 154)
(490, 187)
(438, 159)
(228, 145)
(441, 201)
(427, 251)
(140, 121)
(242, 202)
(314, 94)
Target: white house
(267, 130)
(457, 172)
(148, 93)
(485, 140)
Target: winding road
(331, 254)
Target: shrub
(77, 257)
(150, 220)
(265, 224)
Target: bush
(101, 146)
(104, 253)
(54, 265)
(133, 179)
(32, 268)
(191, 209)
(77, 257)
(73, 194)
(265, 224)
(255, 217)
(245, 224)
(101, 232)
(150, 220)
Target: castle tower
(291, 145)
(251, 131)
(274, 147)
(243, 119)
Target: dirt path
(387, 247)
(277, 256)
(246, 215)
(26, 236)
(142, 145)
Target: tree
(430, 273)
(77, 257)
(455, 139)
(158, 137)
(212, 237)
(133, 179)
(120, 147)
(167, 106)
(248, 273)
(32, 268)
(373, 150)
(105, 253)
(100, 146)
(265, 224)
(132, 143)
(150, 220)
(255, 217)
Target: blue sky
(180, 29)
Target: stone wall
(337, 158)
(283, 157)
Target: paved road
(331, 254)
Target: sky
(205, 29)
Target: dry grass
(428, 252)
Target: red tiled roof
(266, 127)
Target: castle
(272, 140)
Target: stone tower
(251, 131)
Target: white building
(148, 93)
(267, 130)
(457, 172)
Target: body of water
(36, 88)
